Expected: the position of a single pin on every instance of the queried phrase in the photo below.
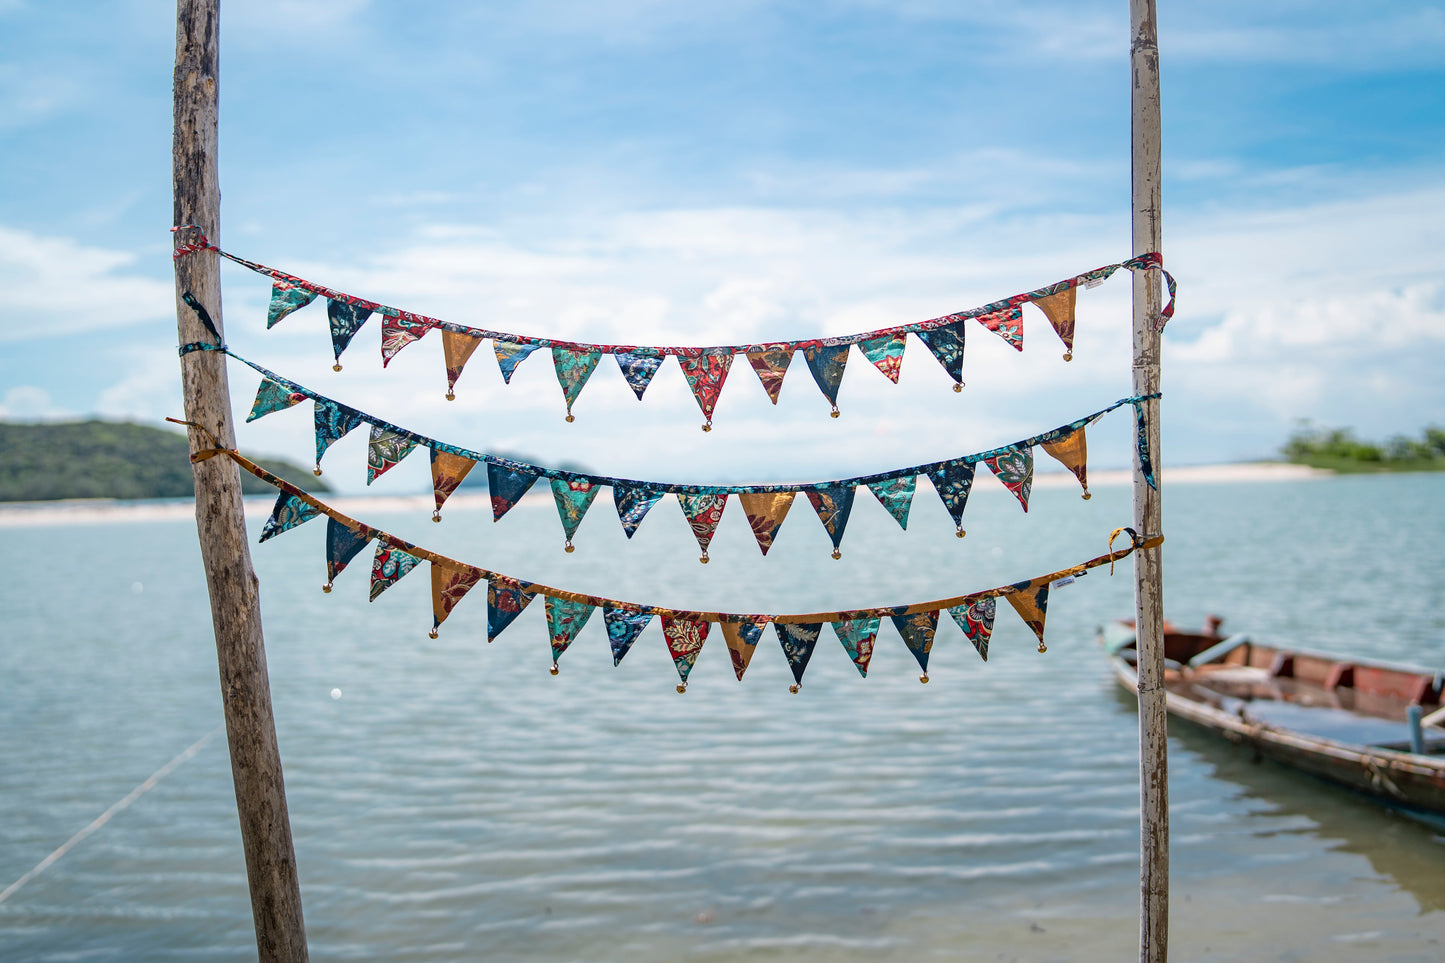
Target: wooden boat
(1369, 726)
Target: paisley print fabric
(288, 512)
(918, 631)
(573, 370)
(1031, 602)
(1059, 308)
(384, 450)
(705, 374)
(564, 620)
(953, 481)
(506, 598)
(638, 369)
(886, 353)
(457, 349)
(858, 636)
(947, 346)
(833, 506)
(896, 495)
(573, 498)
(1015, 468)
(976, 620)
(450, 581)
(798, 640)
(447, 472)
(388, 567)
(1071, 449)
(272, 396)
(333, 421)
(742, 639)
(771, 364)
(826, 362)
(345, 319)
(285, 298)
(684, 641)
(703, 513)
(507, 486)
(399, 329)
(765, 512)
(509, 355)
(623, 628)
(1007, 324)
(342, 545)
(633, 504)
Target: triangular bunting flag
(896, 495)
(771, 364)
(342, 545)
(947, 346)
(623, 627)
(289, 511)
(573, 370)
(1014, 466)
(705, 374)
(765, 512)
(447, 472)
(833, 506)
(886, 353)
(1031, 602)
(633, 504)
(638, 369)
(387, 568)
(507, 486)
(918, 630)
(509, 355)
(826, 362)
(703, 513)
(285, 298)
(346, 318)
(742, 638)
(1059, 309)
(798, 640)
(976, 620)
(385, 449)
(506, 598)
(399, 329)
(573, 498)
(273, 397)
(1071, 449)
(564, 620)
(1007, 324)
(333, 421)
(457, 348)
(684, 640)
(953, 480)
(449, 582)
(857, 636)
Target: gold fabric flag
(1059, 309)
(449, 582)
(771, 364)
(1031, 602)
(742, 638)
(766, 511)
(1072, 451)
(457, 348)
(447, 472)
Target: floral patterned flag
(705, 374)
(288, 512)
(638, 368)
(385, 449)
(285, 298)
(976, 620)
(345, 319)
(1059, 309)
(573, 370)
(742, 639)
(947, 346)
(399, 329)
(564, 620)
(918, 631)
(573, 498)
(833, 506)
(798, 640)
(1071, 449)
(953, 480)
(826, 362)
(509, 355)
(633, 504)
(1007, 324)
(684, 640)
(342, 545)
(1014, 466)
(273, 397)
(858, 636)
(771, 364)
(886, 353)
(703, 513)
(506, 598)
(623, 628)
(333, 421)
(457, 349)
(449, 582)
(387, 568)
(765, 512)
(447, 472)
(507, 486)
(1031, 602)
(896, 495)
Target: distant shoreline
(89, 511)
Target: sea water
(452, 800)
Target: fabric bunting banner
(705, 368)
(685, 631)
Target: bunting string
(685, 631)
(765, 505)
(705, 367)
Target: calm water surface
(458, 802)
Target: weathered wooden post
(235, 602)
(1148, 564)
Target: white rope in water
(104, 817)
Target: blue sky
(653, 172)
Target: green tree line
(1339, 449)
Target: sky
(665, 173)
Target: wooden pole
(235, 601)
(1148, 569)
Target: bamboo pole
(235, 600)
(1148, 567)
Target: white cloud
(30, 403)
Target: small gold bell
(569, 548)
(837, 553)
(436, 515)
(1087, 496)
(834, 413)
(681, 688)
(703, 557)
(555, 669)
(707, 426)
(960, 533)
(923, 678)
(793, 688)
(1042, 648)
(958, 387)
(327, 587)
(316, 471)
(451, 395)
(433, 633)
(336, 366)
(570, 418)
(1068, 356)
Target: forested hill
(106, 459)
